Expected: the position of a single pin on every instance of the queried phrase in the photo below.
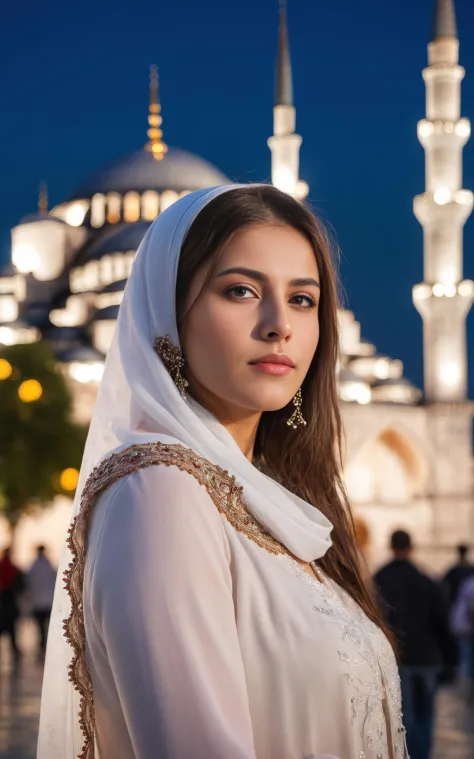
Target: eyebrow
(260, 277)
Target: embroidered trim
(369, 646)
(226, 496)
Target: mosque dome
(179, 170)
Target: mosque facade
(408, 453)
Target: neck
(241, 423)
(244, 432)
(402, 555)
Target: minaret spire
(285, 144)
(284, 78)
(155, 143)
(444, 22)
(444, 298)
(43, 198)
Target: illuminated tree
(38, 439)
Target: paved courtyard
(20, 698)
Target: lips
(276, 364)
(275, 358)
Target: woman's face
(251, 331)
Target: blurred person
(462, 624)
(11, 587)
(459, 572)
(210, 613)
(416, 611)
(452, 582)
(40, 582)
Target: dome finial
(43, 198)
(155, 143)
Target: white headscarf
(136, 387)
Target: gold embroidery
(226, 496)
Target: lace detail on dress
(378, 692)
(226, 496)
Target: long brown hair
(308, 461)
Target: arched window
(91, 275)
(168, 198)
(106, 268)
(120, 267)
(75, 281)
(150, 205)
(131, 207)
(98, 210)
(386, 470)
(114, 202)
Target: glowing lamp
(284, 180)
(450, 373)
(463, 128)
(25, 258)
(442, 195)
(86, 372)
(75, 214)
(69, 478)
(6, 369)
(422, 292)
(30, 391)
(425, 128)
(7, 336)
(466, 288)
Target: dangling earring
(173, 362)
(297, 419)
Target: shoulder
(168, 463)
(150, 486)
(174, 478)
(150, 522)
(151, 472)
(157, 531)
(428, 584)
(139, 457)
(384, 572)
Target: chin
(267, 401)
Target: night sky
(74, 95)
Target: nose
(275, 322)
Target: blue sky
(74, 92)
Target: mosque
(408, 457)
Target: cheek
(213, 339)
(308, 339)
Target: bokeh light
(69, 478)
(6, 369)
(30, 391)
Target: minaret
(444, 298)
(155, 143)
(285, 144)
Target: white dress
(205, 640)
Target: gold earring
(173, 362)
(297, 419)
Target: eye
(240, 292)
(304, 301)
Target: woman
(209, 614)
